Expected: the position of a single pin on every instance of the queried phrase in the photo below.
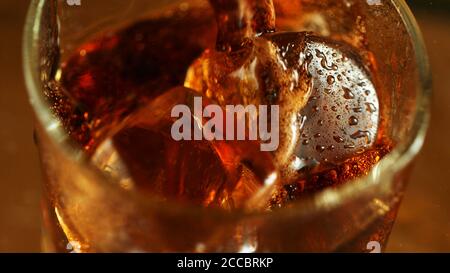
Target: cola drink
(323, 87)
(114, 95)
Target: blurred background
(423, 223)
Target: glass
(83, 212)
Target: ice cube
(142, 154)
(342, 114)
(328, 103)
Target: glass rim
(324, 200)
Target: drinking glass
(84, 212)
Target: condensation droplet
(353, 121)
(320, 148)
(348, 94)
(361, 134)
(338, 139)
(370, 107)
(357, 109)
(330, 80)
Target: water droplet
(328, 91)
(324, 61)
(348, 94)
(320, 148)
(305, 142)
(370, 107)
(353, 121)
(320, 72)
(361, 134)
(334, 108)
(308, 55)
(349, 146)
(320, 122)
(367, 92)
(339, 117)
(338, 139)
(339, 77)
(357, 109)
(331, 147)
(317, 135)
(304, 135)
(330, 80)
(316, 108)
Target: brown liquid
(112, 78)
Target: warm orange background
(424, 219)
